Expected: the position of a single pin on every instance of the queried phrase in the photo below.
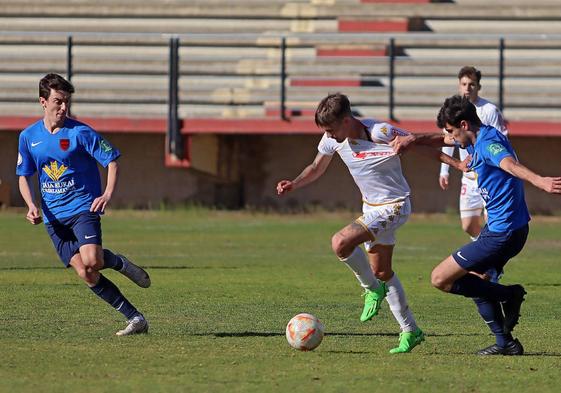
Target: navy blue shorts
(69, 234)
(491, 251)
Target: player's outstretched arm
(401, 143)
(551, 185)
(99, 203)
(33, 214)
(311, 173)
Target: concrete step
(167, 25)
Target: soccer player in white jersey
(363, 145)
(471, 203)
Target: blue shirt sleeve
(25, 165)
(495, 151)
(98, 147)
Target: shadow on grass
(554, 354)
(331, 334)
(146, 267)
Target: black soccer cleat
(511, 308)
(514, 348)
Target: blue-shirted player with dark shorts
(65, 154)
(474, 270)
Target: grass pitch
(224, 285)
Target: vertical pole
(391, 58)
(175, 145)
(283, 80)
(501, 73)
(69, 65)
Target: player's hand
(99, 203)
(443, 181)
(449, 139)
(284, 186)
(551, 184)
(401, 143)
(464, 165)
(33, 215)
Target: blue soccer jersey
(67, 164)
(503, 193)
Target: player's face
(56, 106)
(337, 131)
(461, 135)
(469, 88)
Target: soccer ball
(304, 332)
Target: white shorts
(471, 203)
(381, 221)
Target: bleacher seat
(230, 56)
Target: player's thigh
(64, 240)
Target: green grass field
(224, 285)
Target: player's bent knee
(383, 275)
(438, 281)
(81, 272)
(340, 246)
(91, 276)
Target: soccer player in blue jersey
(474, 270)
(65, 154)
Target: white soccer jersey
(489, 115)
(374, 166)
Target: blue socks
(109, 292)
(473, 286)
(487, 296)
(111, 260)
(492, 314)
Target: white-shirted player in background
(376, 169)
(471, 203)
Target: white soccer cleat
(137, 325)
(135, 273)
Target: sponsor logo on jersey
(484, 194)
(105, 146)
(64, 144)
(495, 148)
(20, 159)
(364, 154)
(54, 171)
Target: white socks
(398, 305)
(358, 263)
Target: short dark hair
(454, 110)
(332, 109)
(55, 82)
(471, 72)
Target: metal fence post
(501, 73)
(69, 65)
(391, 58)
(283, 80)
(175, 145)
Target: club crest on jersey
(384, 130)
(54, 171)
(64, 144)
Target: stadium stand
(230, 65)
(235, 73)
